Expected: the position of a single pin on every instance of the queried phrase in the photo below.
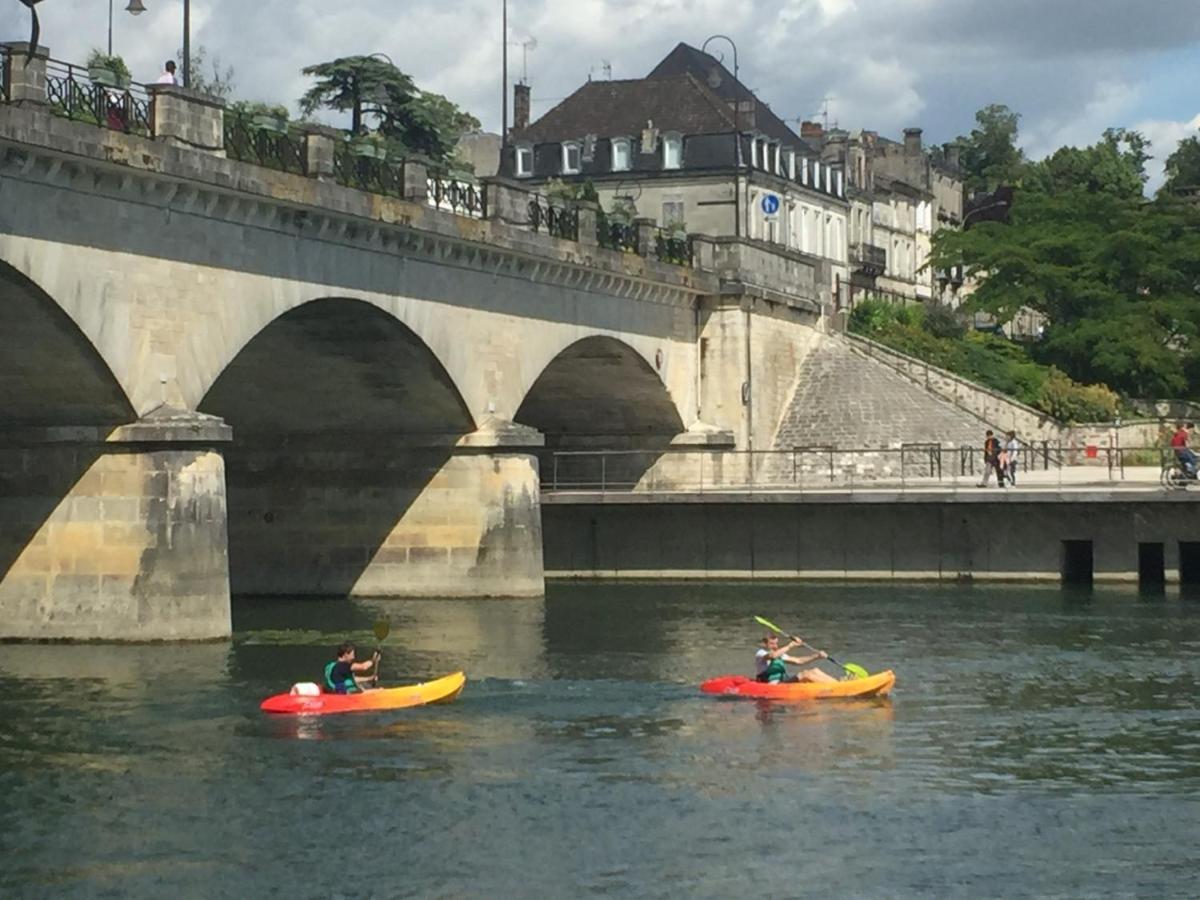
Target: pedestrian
(991, 460)
(1012, 449)
(168, 73)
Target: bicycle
(1175, 477)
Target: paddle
(382, 627)
(853, 669)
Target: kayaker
(339, 674)
(770, 662)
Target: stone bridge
(217, 376)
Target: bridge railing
(92, 96)
(250, 140)
(910, 468)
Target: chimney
(912, 141)
(520, 107)
(952, 154)
(812, 130)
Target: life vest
(775, 672)
(347, 686)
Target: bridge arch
(342, 419)
(600, 394)
(50, 372)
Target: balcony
(868, 259)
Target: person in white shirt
(168, 75)
(770, 662)
(1011, 448)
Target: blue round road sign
(770, 204)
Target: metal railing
(252, 143)
(6, 60)
(614, 234)
(920, 468)
(367, 173)
(557, 221)
(72, 94)
(459, 197)
(673, 248)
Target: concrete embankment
(1126, 536)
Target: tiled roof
(706, 69)
(622, 108)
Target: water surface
(1039, 743)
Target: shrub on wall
(936, 336)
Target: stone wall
(110, 542)
(1001, 412)
(887, 537)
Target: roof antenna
(530, 43)
(607, 67)
(825, 112)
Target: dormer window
(524, 162)
(817, 176)
(672, 151)
(570, 158)
(804, 171)
(777, 159)
(789, 164)
(621, 155)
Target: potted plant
(108, 71)
(371, 145)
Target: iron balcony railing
(248, 141)
(459, 197)
(557, 221)
(869, 258)
(671, 247)
(6, 61)
(909, 468)
(71, 93)
(370, 174)
(614, 234)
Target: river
(1039, 743)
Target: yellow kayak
(441, 690)
(877, 685)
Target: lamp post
(503, 75)
(737, 135)
(110, 9)
(137, 7)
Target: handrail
(248, 141)
(921, 467)
(77, 93)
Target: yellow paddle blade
(765, 624)
(855, 670)
(382, 627)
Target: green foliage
(987, 359)
(115, 64)
(1116, 277)
(250, 108)
(417, 124)
(1183, 166)
(557, 189)
(208, 76)
(989, 155)
(942, 321)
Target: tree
(1183, 166)
(420, 123)
(1115, 165)
(989, 155)
(208, 76)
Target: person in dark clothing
(991, 460)
(340, 677)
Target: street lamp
(137, 7)
(737, 135)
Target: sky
(1071, 68)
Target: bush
(115, 64)
(935, 335)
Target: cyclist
(1179, 443)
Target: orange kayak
(441, 690)
(877, 685)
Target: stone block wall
(113, 543)
(187, 118)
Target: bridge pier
(115, 536)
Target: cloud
(1071, 67)
(1164, 137)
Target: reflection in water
(581, 756)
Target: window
(524, 162)
(620, 155)
(754, 153)
(817, 176)
(804, 171)
(672, 215)
(570, 159)
(672, 151)
(789, 163)
(841, 189)
(776, 164)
